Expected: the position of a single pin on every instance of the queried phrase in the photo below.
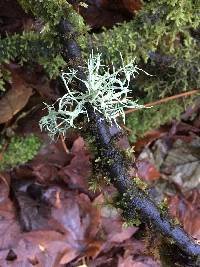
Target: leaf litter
(176, 156)
(47, 215)
(49, 218)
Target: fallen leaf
(183, 129)
(76, 173)
(146, 166)
(186, 210)
(141, 262)
(106, 13)
(132, 5)
(15, 99)
(13, 17)
(182, 164)
(69, 229)
(149, 137)
(9, 227)
(147, 171)
(112, 223)
(33, 213)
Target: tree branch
(134, 199)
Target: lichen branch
(136, 199)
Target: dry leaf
(15, 99)
(182, 164)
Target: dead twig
(164, 100)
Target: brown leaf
(132, 5)
(141, 262)
(182, 164)
(149, 137)
(67, 231)
(76, 173)
(9, 227)
(187, 211)
(32, 214)
(13, 17)
(147, 171)
(146, 166)
(107, 13)
(15, 99)
(41, 248)
(127, 262)
(112, 223)
(183, 129)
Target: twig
(164, 100)
(63, 144)
(126, 128)
(158, 102)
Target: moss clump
(99, 177)
(130, 223)
(51, 11)
(163, 207)
(19, 151)
(139, 183)
(130, 217)
(161, 38)
(143, 121)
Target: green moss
(159, 38)
(139, 183)
(90, 143)
(99, 177)
(4, 77)
(32, 47)
(130, 217)
(51, 11)
(129, 154)
(144, 120)
(19, 151)
(155, 26)
(94, 184)
(163, 207)
(175, 221)
(130, 223)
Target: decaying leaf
(112, 223)
(186, 210)
(146, 166)
(183, 164)
(15, 99)
(9, 227)
(176, 160)
(53, 239)
(140, 262)
(76, 173)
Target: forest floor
(48, 214)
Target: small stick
(164, 100)
(63, 144)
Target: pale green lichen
(106, 91)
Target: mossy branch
(133, 197)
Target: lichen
(106, 91)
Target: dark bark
(135, 199)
